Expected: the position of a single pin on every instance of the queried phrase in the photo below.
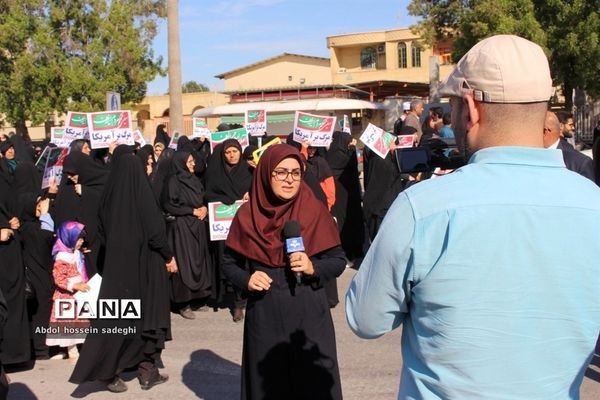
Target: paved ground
(203, 362)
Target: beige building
(368, 74)
(388, 63)
(154, 110)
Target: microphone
(293, 242)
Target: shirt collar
(554, 145)
(518, 155)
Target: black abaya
(347, 208)
(294, 356)
(225, 184)
(188, 234)
(135, 250)
(383, 183)
(84, 208)
(15, 346)
(37, 247)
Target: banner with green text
(241, 134)
(219, 218)
(110, 127)
(314, 129)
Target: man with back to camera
(493, 306)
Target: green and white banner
(256, 122)
(110, 127)
(200, 128)
(314, 129)
(220, 217)
(241, 134)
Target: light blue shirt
(494, 271)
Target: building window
(402, 58)
(416, 55)
(368, 58)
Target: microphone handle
(298, 276)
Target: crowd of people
(457, 260)
(138, 217)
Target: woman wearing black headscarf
(15, 346)
(146, 156)
(184, 144)
(137, 259)
(188, 235)
(8, 165)
(78, 199)
(36, 232)
(289, 340)
(162, 136)
(341, 157)
(228, 178)
(383, 182)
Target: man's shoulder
(477, 185)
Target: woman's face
(285, 179)
(232, 155)
(79, 243)
(10, 153)
(190, 163)
(157, 151)
(85, 149)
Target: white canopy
(331, 104)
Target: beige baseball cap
(502, 69)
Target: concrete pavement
(203, 361)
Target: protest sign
(110, 126)
(377, 140)
(200, 128)
(314, 129)
(345, 124)
(405, 141)
(76, 126)
(54, 165)
(256, 154)
(138, 138)
(256, 122)
(58, 137)
(219, 137)
(175, 140)
(219, 218)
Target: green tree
(193, 87)
(567, 30)
(573, 29)
(30, 63)
(66, 54)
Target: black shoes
(156, 379)
(116, 385)
(237, 314)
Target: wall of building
(345, 53)
(284, 72)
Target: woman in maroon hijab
(289, 340)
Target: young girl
(70, 276)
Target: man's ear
(473, 107)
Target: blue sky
(221, 35)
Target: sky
(217, 36)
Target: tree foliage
(568, 30)
(66, 54)
(193, 87)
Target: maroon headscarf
(256, 231)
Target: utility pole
(175, 103)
